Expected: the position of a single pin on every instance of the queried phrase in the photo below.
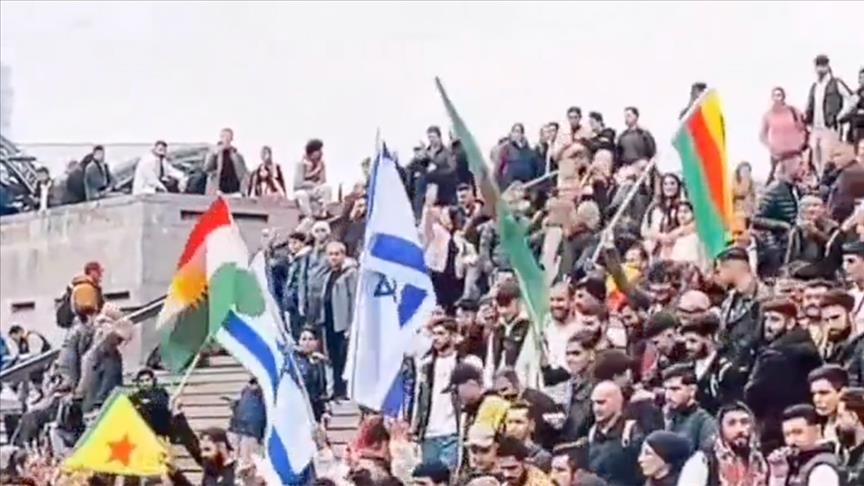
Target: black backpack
(65, 314)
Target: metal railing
(20, 371)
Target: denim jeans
(444, 449)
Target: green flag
(512, 234)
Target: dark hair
(818, 282)
(681, 370)
(448, 323)
(15, 329)
(611, 363)
(313, 146)
(161, 143)
(145, 372)
(508, 374)
(596, 116)
(741, 167)
(299, 236)
(585, 338)
(643, 253)
(574, 109)
(699, 85)
(520, 125)
(832, 373)
(323, 482)
(434, 129)
(632, 109)
(510, 447)
(311, 330)
(522, 405)
(802, 410)
(662, 198)
(663, 271)
(554, 124)
(98, 148)
(507, 293)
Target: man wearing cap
(830, 99)
(841, 346)
(739, 313)
(779, 378)
(478, 406)
(482, 452)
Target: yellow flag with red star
(119, 442)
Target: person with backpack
(614, 442)
(783, 129)
(83, 297)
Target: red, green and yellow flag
(212, 279)
(701, 143)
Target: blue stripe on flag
(282, 465)
(398, 251)
(251, 340)
(410, 301)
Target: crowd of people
(661, 365)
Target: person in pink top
(783, 129)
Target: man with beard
(661, 331)
(683, 414)
(806, 460)
(519, 424)
(514, 465)
(826, 384)
(436, 421)
(718, 380)
(779, 378)
(841, 347)
(577, 401)
(811, 307)
(739, 312)
(734, 458)
(559, 330)
(212, 452)
(570, 467)
(850, 432)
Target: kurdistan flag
(212, 279)
(512, 236)
(119, 442)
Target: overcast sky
(280, 73)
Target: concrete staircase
(204, 406)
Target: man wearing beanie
(779, 378)
(663, 456)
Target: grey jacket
(213, 163)
(97, 180)
(72, 351)
(695, 424)
(342, 297)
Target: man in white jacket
(155, 174)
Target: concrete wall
(138, 240)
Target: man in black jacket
(840, 346)
(779, 378)
(740, 311)
(719, 381)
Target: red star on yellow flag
(119, 442)
(121, 450)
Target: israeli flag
(395, 297)
(260, 344)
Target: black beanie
(674, 449)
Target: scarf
(732, 471)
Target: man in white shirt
(807, 460)
(437, 413)
(154, 173)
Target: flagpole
(624, 205)
(185, 379)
